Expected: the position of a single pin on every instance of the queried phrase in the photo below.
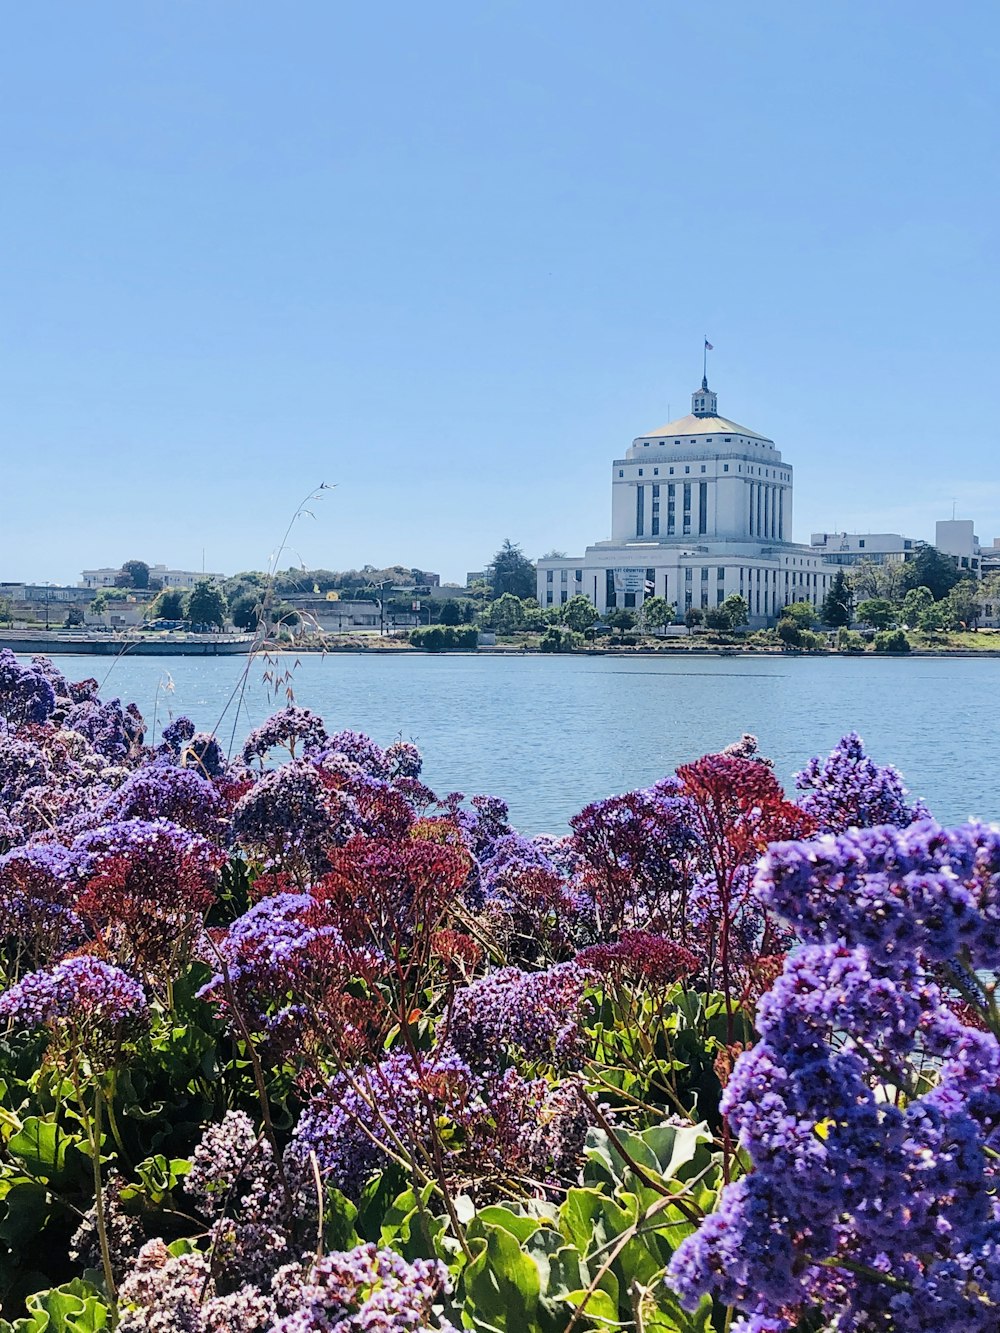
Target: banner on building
(628, 579)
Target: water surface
(549, 734)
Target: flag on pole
(708, 346)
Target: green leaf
(599, 1307)
(73, 1308)
(501, 1284)
(26, 1209)
(42, 1146)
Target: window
(640, 510)
(645, 444)
(656, 490)
(548, 576)
(720, 573)
(725, 467)
(720, 596)
(548, 598)
(687, 508)
(578, 575)
(640, 472)
(563, 596)
(861, 544)
(563, 575)
(704, 573)
(688, 575)
(702, 506)
(609, 588)
(621, 472)
(703, 468)
(671, 472)
(656, 471)
(655, 527)
(686, 470)
(729, 439)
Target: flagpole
(704, 359)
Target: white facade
(850, 548)
(701, 509)
(957, 538)
(170, 578)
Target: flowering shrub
(303, 1045)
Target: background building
(701, 509)
(850, 548)
(167, 578)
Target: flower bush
(291, 1042)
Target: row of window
(640, 509)
(761, 472)
(564, 575)
(759, 587)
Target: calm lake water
(550, 734)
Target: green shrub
(892, 641)
(445, 638)
(559, 639)
(850, 641)
(812, 643)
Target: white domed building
(701, 508)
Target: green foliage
(169, 605)
(789, 633)
(850, 641)
(916, 603)
(579, 613)
(206, 604)
(620, 618)
(245, 612)
(133, 574)
(693, 617)
(445, 638)
(737, 610)
(812, 643)
(510, 571)
(962, 605)
(560, 639)
(657, 613)
(836, 609)
(878, 612)
(451, 612)
(931, 569)
(892, 641)
(803, 614)
(75, 1307)
(506, 615)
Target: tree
(931, 568)
(510, 571)
(962, 605)
(837, 603)
(916, 602)
(206, 605)
(802, 614)
(579, 613)
(877, 612)
(694, 616)
(451, 612)
(133, 574)
(245, 611)
(505, 615)
(621, 619)
(169, 605)
(7, 610)
(789, 632)
(875, 581)
(657, 613)
(737, 610)
(716, 618)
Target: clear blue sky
(452, 257)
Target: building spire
(704, 403)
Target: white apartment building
(169, 578)
(700, 509)
(850, 548)
(957, 538)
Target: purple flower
(364, 1290)
(290, 728)
(289, 820)
(538, 1014)
(112, 730)
(86, 1003)
(177, 733)
(26, 693)
(847, 789)
(404, 760)
(163, 791)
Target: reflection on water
(550, 734)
